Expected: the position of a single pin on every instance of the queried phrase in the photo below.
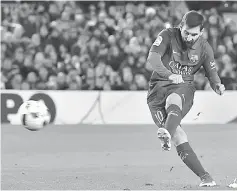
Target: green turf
(112, 157)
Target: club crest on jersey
(194, 58)
(158, 41)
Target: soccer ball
(34, 115)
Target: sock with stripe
(174, 117)
(189, 157)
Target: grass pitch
(112, 157)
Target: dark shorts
(157, 96)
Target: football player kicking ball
(175, 56)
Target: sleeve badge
(213, 64)
(158, 41)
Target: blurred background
(76, 45)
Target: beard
(190, 43)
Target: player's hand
(220, 88)
(176, 78)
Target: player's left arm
(209, 66)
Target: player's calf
(189, 157)
(174, 112)
(191, 160)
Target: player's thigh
(185, 92)
(156, 102)
(186, 108)
(158, 113)
(157, 94)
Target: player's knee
(173, 99)
(179, 137)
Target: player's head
(191, 27)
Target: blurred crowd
(66, 45)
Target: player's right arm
(156, 52)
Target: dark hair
(193, 19)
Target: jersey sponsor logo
(158, 41)
(213, 64)
(177, 68)
(194, 58)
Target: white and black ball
(34, 115)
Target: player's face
(190, 36)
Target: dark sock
(174, 117)
(189, 157)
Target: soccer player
(175, 56)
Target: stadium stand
(60, 45)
